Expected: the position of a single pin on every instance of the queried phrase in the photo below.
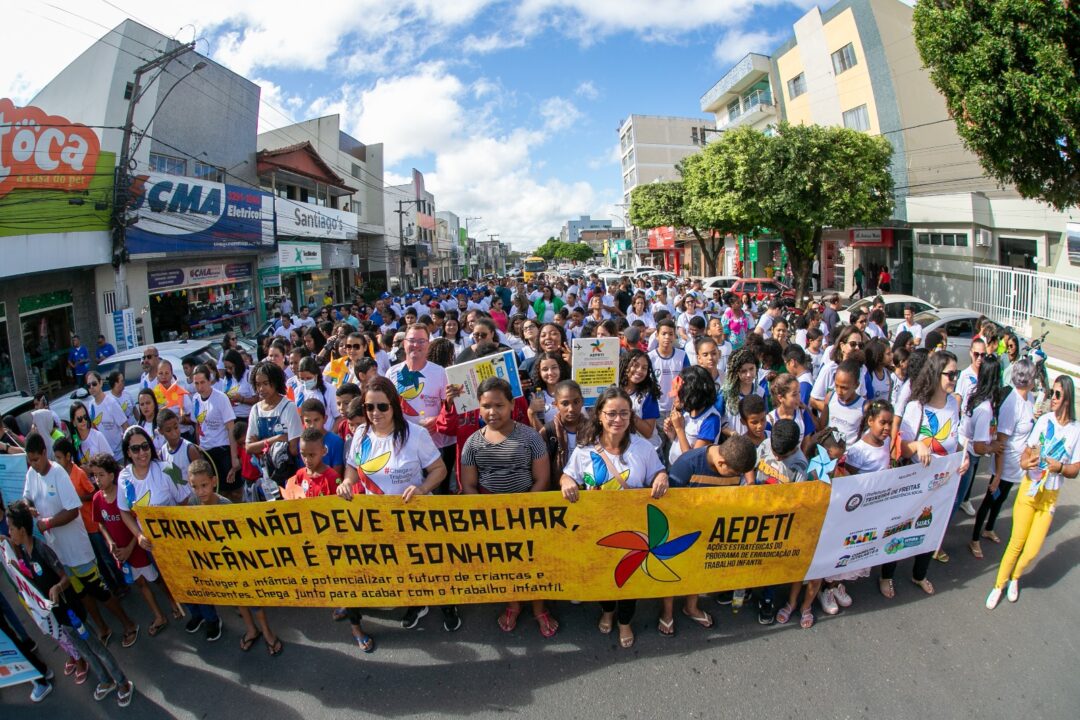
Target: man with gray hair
(150, 360)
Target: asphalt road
(914, 657)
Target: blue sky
(509, 109)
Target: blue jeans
(206, 612)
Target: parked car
(894, 308)
(18, 405)
(718, 282)
(129, 362)
(764, 287)
(959, 326)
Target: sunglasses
(149, 357)
(854, 344)
(141, 447)
(952, 374)
(93, 383)
(1058, 395)
(353, 346)
(381, 407)
(977, 355)
(81, 419)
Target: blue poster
(14, 668)
(12, 477)
(174, 213)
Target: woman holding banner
(611, 457)
(1052, 455)
(929, 427)
(390, 456)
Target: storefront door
(7, 375)
(47, 323)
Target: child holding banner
(491, 462)
(549, 369)
(610, 456)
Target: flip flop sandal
(926, 586)
(247, 643)
(275, 648)
(976, 550)
(508, 620)
(705, 620)
(548, 625)
(80, 675)
(941, 556)
(604, 627)
(339, 614)
(179, 614)
(626, 642)
(806, 620)
(69, 667)
(157, 627)
(106, 638)
(130, 638)
(365, 641)
(885, 585)
(666, 627)
(784, 613)
(991, 536)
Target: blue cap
(461, 291)
(385, 296)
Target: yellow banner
(379, 551)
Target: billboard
(183, 214)
(662, 238)
(300, 219)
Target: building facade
(571, 229)
(409, 228)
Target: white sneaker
(993, 598)
(968, 508)
(1012, 590)
(828, 603)
(840, 594)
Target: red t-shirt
(109, 515)
(306, 485)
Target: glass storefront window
(46, 337)
(7, 375)
(203, 311)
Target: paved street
(914, 657)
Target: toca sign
(40, 151)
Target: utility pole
(125, 164)
(401, 240)
(495, 255)
(466, 253)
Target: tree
(1010, 74)
(578, 252)
(794, 182)
(662, 204)
(548, 249)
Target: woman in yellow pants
(1052, 455)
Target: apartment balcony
(749, 111)
(751, 69)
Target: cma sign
(173, 205)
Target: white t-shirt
(635, 468)
(234, 390)
(978, 426)
(647, 318)
(94, 443)
(385, 469)
(422, 394)
(1053, 440)
(938, 427)
(327, 397)
(846, 417)
(1016, 417)
(705, 426)
(282, 420)
(825, 381)
(53, 493)
(109, 419)
(126, 404)
(666, 369)
(865, 458)
(211, 415)
(157, 489)
(965, 385)
(916, 331)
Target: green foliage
(1010, 74)
(578, 252)
(549, 249)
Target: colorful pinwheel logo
(648, 552)
(409, 384)
(932, 435)
(821, 465)
(600, 478)
(1051, 448)
(371, 464)
(95, 416)
(595, 346)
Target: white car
(894, 308)
(718, 282)
(958, 325)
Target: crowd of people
(713, 390)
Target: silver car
(959, 327)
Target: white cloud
(559, 113)
(587, 90)
(613, 156)
(490, 43)
(736, 43)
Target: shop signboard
(662, 238)
(299, 219)
(299, 255)
(196, 275)
(336, 255)
(871, 237)
(184, 214)
(124, 329)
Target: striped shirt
(499, 466)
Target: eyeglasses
(381, 407)
(952, 374)
(854, 344)
(416, 341)
(1058, 395)
(353, 346)
(81, 419)
(149, 357)
(616, 414)
(141, 447)
(92, 383)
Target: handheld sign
(470, 374)
(595, 364)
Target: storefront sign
(662, 238)
(871, 237)
(337, 255)
(197, 275)
(299, 219)
(183, 214)
(40, 151)
(299, 256)
(124, 329)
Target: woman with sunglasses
(930, 426)
(106, 415)
(391, 456)
(145, 481)
(850, 340)
(88, 439)
(609, 456)
(228, 342)
(1052, 456)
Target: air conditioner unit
(985, 238)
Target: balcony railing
(1012, 297)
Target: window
(943, 239)
(733, 109)
(924, 238)
(960, 328)
(961, 239)
(167, 164)
(844, 59)
(935, 238)
(796, 86)
(209, 172)
(857, 118)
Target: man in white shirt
(150, 360)
(286, 326)
(764, 326)
(422, 386)
(910, 325)
(57, 503)
(304, 320)
(286, 306)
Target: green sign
(34, 212)
(753, 251)
(34, 303)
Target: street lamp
(401, 238)
(126, 163)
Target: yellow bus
(534, 266)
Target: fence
(1012, 297)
